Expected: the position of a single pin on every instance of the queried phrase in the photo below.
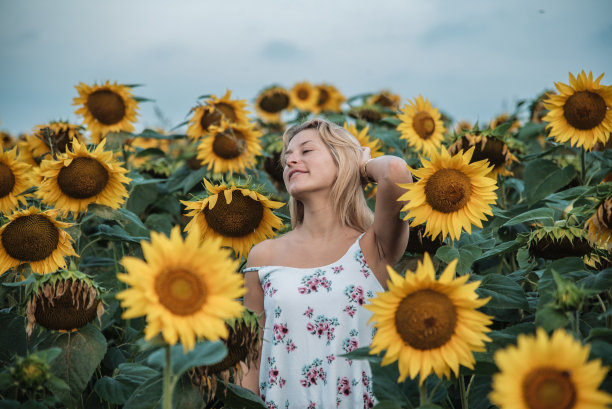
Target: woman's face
(309, 164)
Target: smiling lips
(295, 172)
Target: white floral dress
(313, 315)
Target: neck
(320, 220)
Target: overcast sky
(472, 59)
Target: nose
(291, 159)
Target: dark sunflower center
(227, 110)
(181, 291)
(106, 106)
(384, 101)
(448, 190)
(237, 219)
(585, 110)
(83, 178)
(7, 180)
(426, 319)
(549, 388)
(30, 238)
(424, 125)
(210, 118)
(323, 97)
(303, 94)
(493, 151)
(61, 140)
(274, 102)
(229, 145)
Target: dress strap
(249, 269)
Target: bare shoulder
(263, 253)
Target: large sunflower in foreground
(240, 217)
(185, 288)
(487, 147)
(364, 139)
(213, 112)
(80, 177)
(271, 102)
(230, 147)
(106, 108)
(56, 135)
(429, 325)
(14, 179)
(36, 238)
(451, 194)
(581, 113)
(548, 373)
(304, 96)
(421, 126)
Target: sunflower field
(121, 253)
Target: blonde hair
(347, 196)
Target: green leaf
(204, 353)
(430, 405)
(466, 254)
(479, 393)
(550, 318)
(81, 354)
(387, 404)
(6, 380)
(148, 395)
(118, 389)
(141, 196)
(195, 177)
(600, 281)
(238, 397)
(504, 292)
(543, 177)
(160, 223)
(500, 249)
(9, 404)
(116, 233)
(542, 213)
(385, 383)
(362, 353)
(130, 221)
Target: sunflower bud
(567, 297)
(30, 372)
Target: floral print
(312, 283)
(323, 327)
(363, 265)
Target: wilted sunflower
(581, 112)
(370, 113)
(213, 112)
(106, 108)
(14, 179)
(600, 225)
(36, 238)
(451, 194)
(330, 99)
(240, 217)
(385, 99)
(80, 177)
(271, 102)
(230, 147)
(548, 373)
(304, 96)
(66, 300)
(242, 344)
(421, 126)
(364, 139)
(558, 241)
(186, 288)
(57, 135)
(428, 325)
(486, 147)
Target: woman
(311, 283)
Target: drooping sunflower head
(486, 147)
(429, 325)
(14, 179)
(421, 126)
(230, 147)
(106, 108)
(54, 137)
(364, 139)
(80, 177)
(330, 99)
(385, 99)
(451, 194)
(420, 243)
(558, 241)
(369, 113)
(304, 96)
(214, 111)
(187, 289)
(271, 102)
(581, 112)
(36, 238)
(600, 225)
(546, 373)
(66, 300)
(242, 345)
(238, 216)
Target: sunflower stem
(583, 166)
(463, 392)
(433, 391)
(423, 394)
(168, 384)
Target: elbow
(397, 171)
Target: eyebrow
(288, 151)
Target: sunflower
(364, 139)
(106, 108)
(213, 112)
(271, 102)
(463, 126)
(230, 147)
(581, 112)
(240, 217)
(6, 141)
(558, 241)
(186, 288)
(57, 135)
(428, 325)
(491, 148)
(330, 99)
(385, 99)
(542, 373)
(65, 301)
(14, 179)
(600, 225)
(79, 177)
(452, 194)
(304, 96)
(36, 238)
(503, 118)
(370, 113)
(25, 152)
(421, 126)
